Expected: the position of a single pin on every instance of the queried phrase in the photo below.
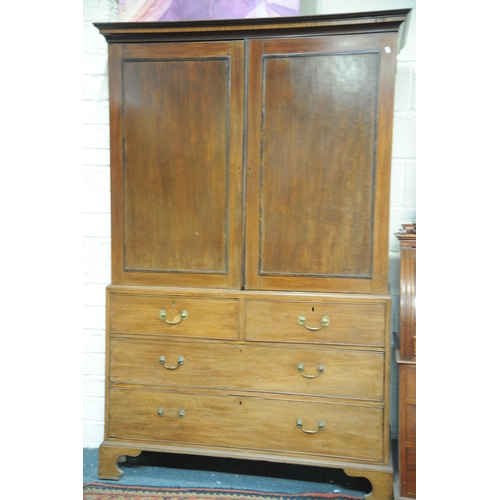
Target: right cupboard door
(318, 162)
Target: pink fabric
(183, 10)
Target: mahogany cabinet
(406, 356)
(249, 314)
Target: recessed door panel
(175, 175)
(318, 162)
(181, 112)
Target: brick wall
(96, 198)
(96, 214)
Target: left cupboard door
(176, 118)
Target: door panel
(317, 164)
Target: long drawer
(350, 323)
(315, 371)
(322, 429)
(182, 316)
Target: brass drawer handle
(325, 321)
(163, 316)
(321, 369)
(180, 361)
(161, 412)
(321, 426)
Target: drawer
(352, 323)
(258, 423)
(335, 373)
(206, 317)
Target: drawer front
(348, 323)
(206, 317)
(337, 373)
(350, 431)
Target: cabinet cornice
(230, 29)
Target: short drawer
(349, 323)
(308, 371)
(258, 423)
(182, 316)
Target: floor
(158, 469)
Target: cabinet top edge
(243, 28)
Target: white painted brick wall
(96, 196)
(96, 214)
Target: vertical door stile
(253, 165)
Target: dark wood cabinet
(249, 314)
(406, 356)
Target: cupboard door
(177, 122)
(319, 134)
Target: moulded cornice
(361, 22)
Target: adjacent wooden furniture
(406, 357)
(249, 314)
